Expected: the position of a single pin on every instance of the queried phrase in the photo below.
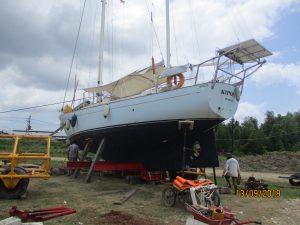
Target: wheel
(294, 182)
(295, 179)
(214, 200)
(169, 197)
(19, 190)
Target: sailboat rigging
(142, 116)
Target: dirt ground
(94, 204)
(94, 201)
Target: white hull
(199, 102)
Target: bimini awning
(132, 84)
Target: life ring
(172, 80)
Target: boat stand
(83, 157)
(96, 158)
(132, 171)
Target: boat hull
(159, 145)
(145, 129)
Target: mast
(168, 34)
(100, 69)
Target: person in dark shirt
(72, 155)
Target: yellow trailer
(17, 166)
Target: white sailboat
(142, 117)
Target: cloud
(33, 29)
(272, 74)
(246, 109)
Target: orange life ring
(172, 80)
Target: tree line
(276, 133)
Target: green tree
(275, 142)
(277, 133)
(289, 129)
(222, 137)
(248, 127)
(269, 122)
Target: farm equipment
(216, 215)
(41, 214)
(293, 179)
(198, 192)
(254, 184)
(17, 164)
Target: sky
(37, 41)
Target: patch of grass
(146, 203)
(57, 164)
(146, 195)
(222, 159)
(58, 149)
(286, 193)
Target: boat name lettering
(225, 92)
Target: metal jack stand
(185, 125)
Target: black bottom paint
(158, 146)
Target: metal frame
(237, 62)
(14, 157)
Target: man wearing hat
(232, 169)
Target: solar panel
(247, 51)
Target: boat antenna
(168, 34)
(100, 69)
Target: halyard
(94, 206)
